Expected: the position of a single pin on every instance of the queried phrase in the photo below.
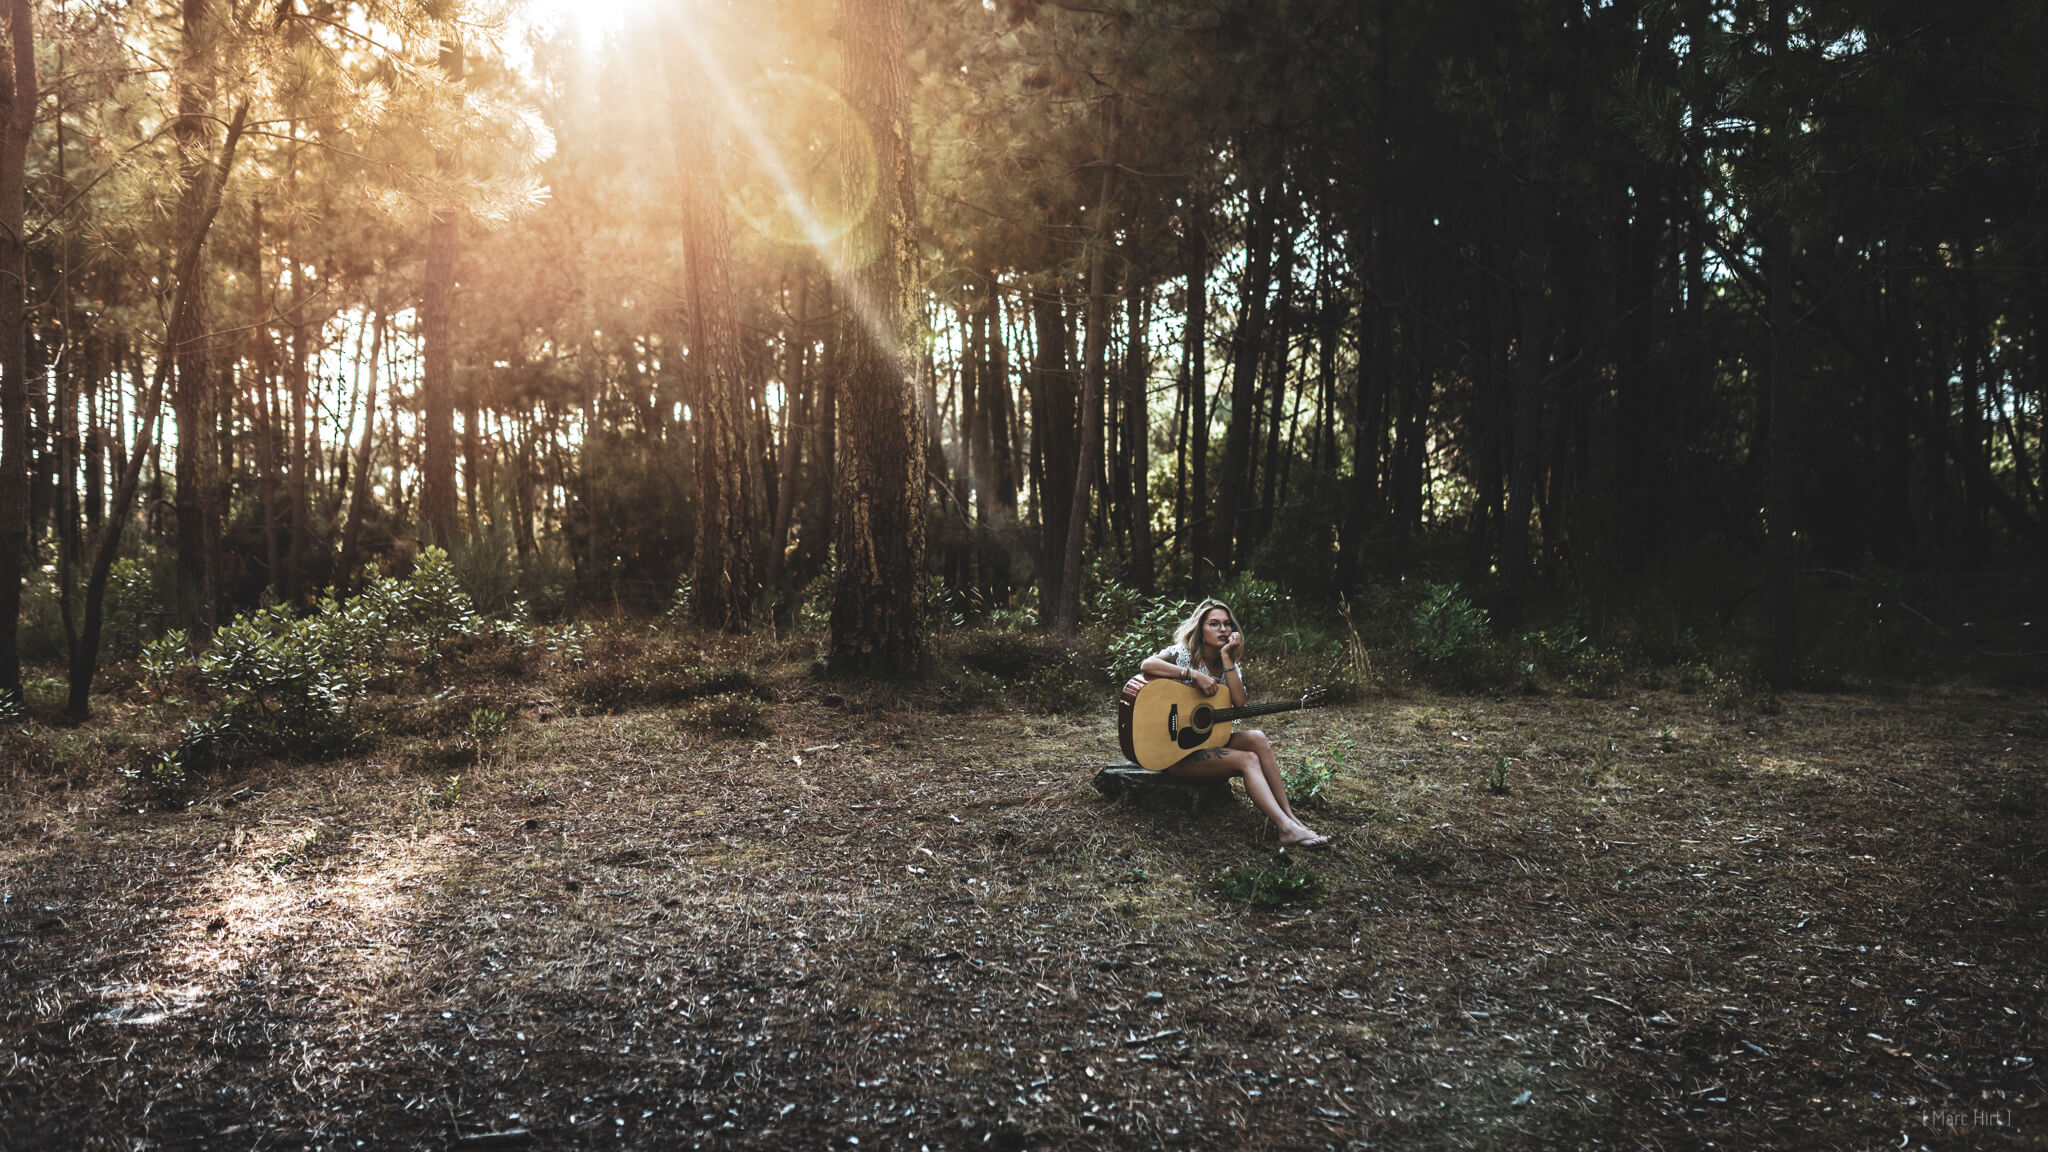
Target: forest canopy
(879, 312)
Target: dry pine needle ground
(1550, 922)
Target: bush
(638, 681)
(486, 573)
(1061, 688)
(1271, 885)
(1257, 603)
(727, 714)
(160, 779)
(1447, 626)
(1450, 640)
(1147, 632)
(1307, 778)
(1567, 653)
(287, 683)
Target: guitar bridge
(1173, 721)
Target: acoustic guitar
(1160, 721)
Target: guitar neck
(1223, 714)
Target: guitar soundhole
(1197, 729)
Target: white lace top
(1186, 662)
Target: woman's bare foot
(1304, 837)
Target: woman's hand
(1236, 642)
(1204, 682)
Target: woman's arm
(1232, 678)
(1158, 664)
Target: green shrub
(1148, 631)
(637, 680)
(487, 729)
(1568, 653)
(1271, 885)
(287, 683)
(161, 659)
(547, 578)
(1012, 657)
(1060, 688)
(1257, 603)
(681, 603)
(1306, 779)
(159, 778)
(968, 689)
(727, 714)
(134, 608)
(486, 572)
(1116, 606)
(1448, 628)
(1413, 862)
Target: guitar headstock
(1314, 697)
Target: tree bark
(796, 395)
(1137, 437)
(17, 117)
(878, 590)
(1531, 269)
(85, 661)
(1197, 522)
(1055, 450)
(1778, 379)
(359, 498)
(437, 384)
(1247, 345)
(1094, 350)
(723, 576)
(194, 392)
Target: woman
(1205, 654)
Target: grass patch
(1271, 885)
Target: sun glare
(588, 22)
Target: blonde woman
(1205, 654)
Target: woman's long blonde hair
(1190, 634)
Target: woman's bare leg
(1255, 742)
(1217, 763)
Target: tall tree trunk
(17, 119)
(1093, 367)
(297, 483)
(194, 392)
(723, 575)
(359, 498)
(1197, 522)
(1531, 273)
(85, 661)
(1895, 538)
(1000, 481)
(878, 592)
(1278, 340)
(1778, 378)
(796, 395)
(1055, 449)
(1248, 344)
(437, 387)
(1137, 436)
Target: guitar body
(1161, 721)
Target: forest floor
(1658, 924)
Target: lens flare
(789, 175)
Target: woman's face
(1216, 628)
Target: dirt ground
(1549, 922)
